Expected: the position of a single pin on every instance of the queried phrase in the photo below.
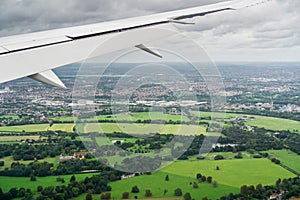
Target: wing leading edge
(36, 53)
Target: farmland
(231, 176)
(19, 182)
(18, 138)
(288, 158)
(9, 160)
(270, 123)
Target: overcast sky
(269, 32)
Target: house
(80, 155)
(277, 196)
(65, 158)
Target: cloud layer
(271, 28)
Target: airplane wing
(34, 55)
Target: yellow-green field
(18, 138)
(276, 124)
(231, 176)
(7, 183)
(113, 127)
(37, 128)
(271, 123)
(288, 158)
(9, 160)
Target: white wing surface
(34, 55)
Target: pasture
(9, 160)
(18, 138)
(112, 128)
(270, 123)
(286, 157)
(7, 183)
(275, 124)
(231, 176)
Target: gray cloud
(21, 16)
(270, 26)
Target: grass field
(9, 117)
(144, 116)
(232, 174)
(288, 158)
(226, 155)
(18, 138)
(10, 182)
(157, 184)
(9, 160)
(275, 124)
(271, 123)
(38, 128)
(146, 128)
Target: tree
(51, 123)
(195, 185)
(75, 191)
(203, 179)
(167, 178)
(209, 179)
(165, 191)
(148, 193)
(259, 187)
(89, 197)
(239, 156)
(125, 195)
(198, 176)
(105, 196)
(13, 192)
(135, 189)
(1, 163)
(187, 196)
(244, 190)
(32, 178)
(204, 198)
(73, 179)
(278, 182)
(219, 157)
(215, 184)
(40, 188)
(178, 192)
(217, 168)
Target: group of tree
(42, 169)
(97, 184)
(16, 193)
(29, 152)
(286, 188)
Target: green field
(113, 127)
(18, 138)
(270, 123)
(232, 175)
(9, 160)
(9, 117)
(226, 155)
(275, 124)
(7, 183)
(288, 158)
(134, 116)
(146, 128)
(38, 128)
(157, 184)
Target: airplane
(35, 55)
